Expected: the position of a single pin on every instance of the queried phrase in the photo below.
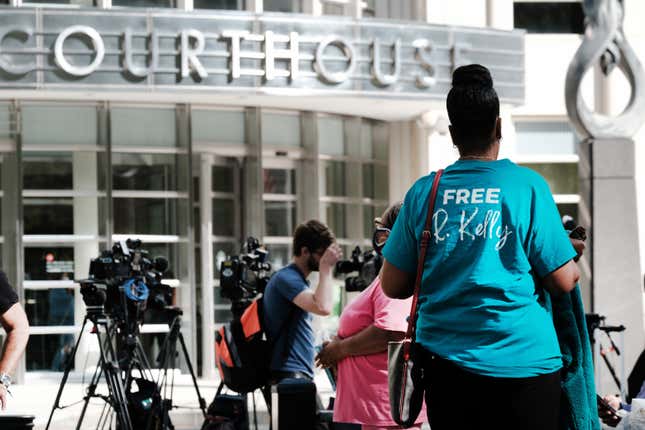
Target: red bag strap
(425, 241)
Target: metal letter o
(97, 42)
(348, 49)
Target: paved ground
(37, 396)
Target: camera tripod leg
(165, 360)
(113, 377)
(68, 369)
(91, 390)
(96, 377)
(202, 402)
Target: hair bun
(472, 75)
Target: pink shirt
(362, 391)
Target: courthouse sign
(170, 50)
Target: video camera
(367, 264)
(244, 276)
(125, 275)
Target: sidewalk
(36, 397)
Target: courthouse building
(192, 124)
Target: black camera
(246, 275)
(126, 275)
(367, 264)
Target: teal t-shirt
(495, 226)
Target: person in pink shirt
(359, 350)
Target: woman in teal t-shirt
(491, 350)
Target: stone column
(608, 166)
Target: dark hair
(473, 108)
(314, 235)
(389, 216)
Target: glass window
(331, 136)
(545, 137)
(216, 126)
(152, 343)
(280, 181)
(282, 5)
(54, 306)
(49, 263)
(218, 4)
(223, 179)
(368, 180)
(367, 146)
(380, 137)
(369, 11)
(333, 9)
(6, 123)
(280, 218)
(335, 184)
(50, 125)
(280, 129)
(561, 177)
(549, 17)
(49, 351)
(336, 218)
(369, 213)
(70, 2)
(145, 216)
(47, 171)
(393, 9)
(150, 172)
(48, 216)
(570, 209)
(279, 255)
(144, 3)
(143, 127)
(223, 307)
(224, 217)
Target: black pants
(458, 399)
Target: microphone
(568, 222)
(161, 264)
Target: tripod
(104, 328)
(596, 322)
(166, 360)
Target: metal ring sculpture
(604, 42)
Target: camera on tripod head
(244, 276)
(367, 264)
(126, 275)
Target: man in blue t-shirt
(289, 302)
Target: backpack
(243, 351)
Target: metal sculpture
(604, 43)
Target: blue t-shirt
(294, 348)
(495, 225)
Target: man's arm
(320, 302)
(16, 325)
